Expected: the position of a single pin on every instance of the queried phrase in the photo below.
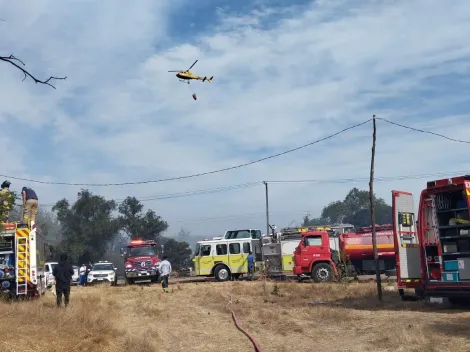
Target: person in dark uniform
(63, 273)
(30, 204)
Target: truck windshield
(141, 251)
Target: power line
(193, 175)
(201, 192)
(379, 179)
(185, 194)
(252, 184)
(236, 216)
(422, 131)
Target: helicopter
(186, 76)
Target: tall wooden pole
(372, 212)
(267, 207)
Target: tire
(221, 273)
(130, 281)
(322, 272)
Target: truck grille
(144, 264)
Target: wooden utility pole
(372, 212)
(267, 207)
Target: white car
(49, 277)
(75, 276)
(102, 272)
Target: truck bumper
(141, 274)
(298, 270)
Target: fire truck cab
(141, 261)
(433, 249)
(314, 257)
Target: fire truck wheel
(322, 273)
(221, 273)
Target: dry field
(194, 317)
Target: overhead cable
(193, 175)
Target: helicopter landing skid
(184, 81)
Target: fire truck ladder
(433, 227)
(21, 266)
(432, 233)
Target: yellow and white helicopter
(186, 76)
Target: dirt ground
(194, 317)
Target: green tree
(178, 252)
(354, 209)
(87, 226)
(136, 224)
(307, 221)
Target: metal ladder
(433, 226)
(21, 266)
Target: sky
(286, 73)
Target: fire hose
(235, 320)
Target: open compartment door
(406, 237)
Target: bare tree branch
(17, 62)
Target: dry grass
(194, 317)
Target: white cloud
(282, 77)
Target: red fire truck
(314, 256)
(141, 261)
(433, 253)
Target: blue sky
(285, 73)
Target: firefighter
(251, 265)
(83, 275)
(30, 204)
(7, 201)
(63, 273)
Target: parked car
(76, 275)
(102, 271)
(49, 277)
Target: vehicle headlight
(128, 266)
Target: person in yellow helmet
(7, 200)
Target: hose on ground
(235, 320)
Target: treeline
(353, 209)
(94, 228)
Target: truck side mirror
(123, 251)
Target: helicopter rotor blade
(176, 71)
(193, 65)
